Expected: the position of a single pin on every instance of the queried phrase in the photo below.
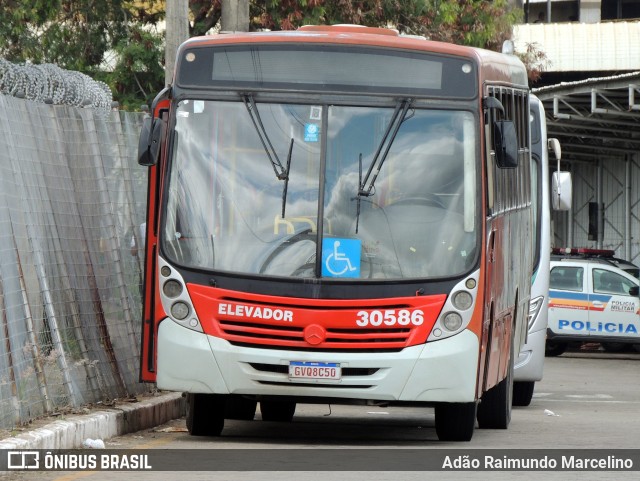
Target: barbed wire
(49, 83)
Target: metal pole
(627, 207)
(570, 219)
(599, 175)
(177, 32)
(235, 16)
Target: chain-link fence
(71, 197)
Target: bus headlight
(534, 310)
(172, 288)
(458, 309)
(175, 298)
(180, 310)
(452, 321)
(462, 300)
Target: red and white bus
(338, 214)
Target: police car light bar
(582, 251)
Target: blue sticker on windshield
(311, 132)
(341, 257)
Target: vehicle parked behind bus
(592, 300)
(530, 364)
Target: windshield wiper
(399, 116)
(358, 197)
(286, 178)
(281, 174)
(280, 171)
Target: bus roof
(494, 66)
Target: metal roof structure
(594, 119)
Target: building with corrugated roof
(590, 88)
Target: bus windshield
(279, 189)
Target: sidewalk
(126, 417)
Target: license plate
(314, 371)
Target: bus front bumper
(441, 371)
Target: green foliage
(78, 34)
(138, 74)
(478, 23)
(205, 14)
(82, 35)
(536, 61)
(74, 34)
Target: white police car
(591, 299)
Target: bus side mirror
(149, 143)
(554, 146)
(505, 142)
(561, 192)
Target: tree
(478, 23)
(105, 39)
(115, 40)
(138, 73)
(74, 34)
(205, 15)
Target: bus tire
(455, 421)
(240, 408)
(554, 348)
(494, 410)
(523, 392)
(205, 414)
(279, 411)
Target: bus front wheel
(205, 414)
(455, 421)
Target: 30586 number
(390, 317)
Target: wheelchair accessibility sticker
(341, 257)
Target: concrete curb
(126, 418)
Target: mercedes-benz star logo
(315, 334)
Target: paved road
(586, 401)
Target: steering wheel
(422, 199)
(287, 243)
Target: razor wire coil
(48, 83)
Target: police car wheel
(553, 348)
(615, 346)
